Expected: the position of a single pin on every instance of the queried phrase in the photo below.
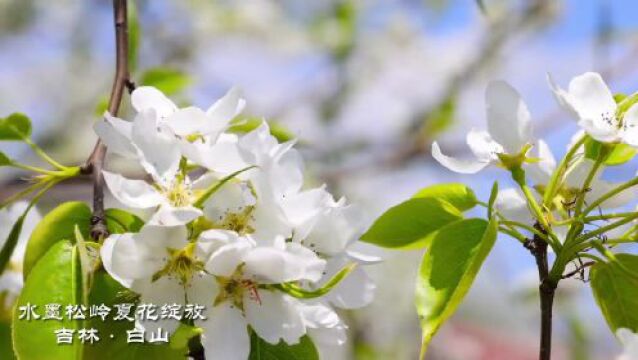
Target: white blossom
(508, 131)
(589, 100)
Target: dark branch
(95, 162)
(546, 289)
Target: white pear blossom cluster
(510, 134)
(233, 228)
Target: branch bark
(95, 162)
(546, 289)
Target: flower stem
(613, 192)
(43, 155)
(557, 176)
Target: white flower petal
(512, 205)
(225, 260)
(630, 126)
(508, 119)
(274, 317)
(168, 215)
(158, 148)
(106, 254)
(130, 259)
(457, 165)
(275, 266)
(115, 133)
(202, 290)
(355, 291)
(134, 193)
(323, 325)
(629, 341)
(222, 156)
(147, 97)
(188, 121)
(225, 334)
(540, 172)
(226, 108)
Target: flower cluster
(232, 228)
(509, 138)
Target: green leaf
(458, 195)
(6, 348)
(592, 148)
(616, 292)
(57, 225)
(408, 224)
(5, 160)
(15, 127)
(167, 80)
(106, 290)
(248, 124)
(621, 154)
(448, 270)
(262, 350)
(54, 280)
(120, 221)
(12, 239)
(184, 334)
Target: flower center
(239, 222)
(181, 264)
(611, 120)
(179, 194)
(234, 287)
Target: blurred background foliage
(365, 86)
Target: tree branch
(95, 162)
(546, 289)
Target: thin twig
(579, 269)
(95, 162)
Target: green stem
(584, 189)
(607, 216)
(33, 169)
(613, 192)
(604, 229)
(515, 234)
(526, 227)
(552, 186)
(43, 155)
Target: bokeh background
(365, 85)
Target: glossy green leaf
(12, 239)
(448, 270)
(616, 291)
(55, 279)
(106, 290)
(620, 155)
(248, 124)
(261, 350)
(409, 224)
(15, 127)
(6, 347)
(120, 221)
(58, 224)
(167, 80)
(458, 195)
(184, 334)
